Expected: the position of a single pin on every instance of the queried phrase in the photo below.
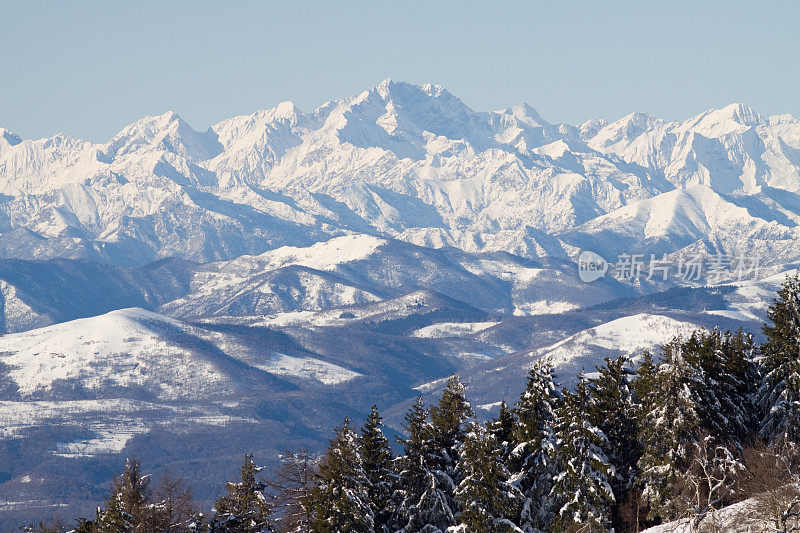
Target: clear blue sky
(89, 68)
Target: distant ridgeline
(413, 163)
(714, 420)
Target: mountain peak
(741, 113)
(733, 117)
(152, 124)
(168, 132)
(286, 109)
(638, 118)
(399, 91)
(626, 129)
(525, 112)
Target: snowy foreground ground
(737, 518)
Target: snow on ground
(108, 438)
(116, 421)
(752, 298)
(340, 316)
(451, 329)
(30, 504)
(736, 518)
(15, 311)
(121, 348)
(137, 348)
(506, 270)
(437, 384)
(17, 416)
(629, 335)
(309, 368)
(325, 256)
(543, 307)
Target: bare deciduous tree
(173, 507)
(709, 484)
(289, 489)
(772, 481)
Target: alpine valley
(187, 297)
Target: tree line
(713, 420)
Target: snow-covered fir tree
(244, 509)
(340, 501)
(376, 458)
(670, 427)
(581, 489)
(126, 509)
(451, 419)
(503, 430)
(489, 502)
(779, 394)
(532, 461)
(613, 411)
(740, 386)
(421, 505)
(724, 386)
(114, 518)
(644, 381)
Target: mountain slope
(356, 269)
(39, 293)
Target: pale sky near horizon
(90, 68)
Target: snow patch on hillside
(451, 329)
(118, 349)
(308, 368)
(629, 335)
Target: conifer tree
(411, 466)
(724, 386)
(489, 502)
(421, 506)
(244, 509)
(376, 457)
(532, 461)
(114, 518)
(429, 468)
(503, 430)
(670, 427)
(779, 394)
(613, 411)
(126, 509)
(742, 367)
(340, 501)
(451, 419)
(85, 525)
(581, 489)
(644, 381)
(449, 422)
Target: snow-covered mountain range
(249, 286)
(409, 162)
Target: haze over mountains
(248, 286)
